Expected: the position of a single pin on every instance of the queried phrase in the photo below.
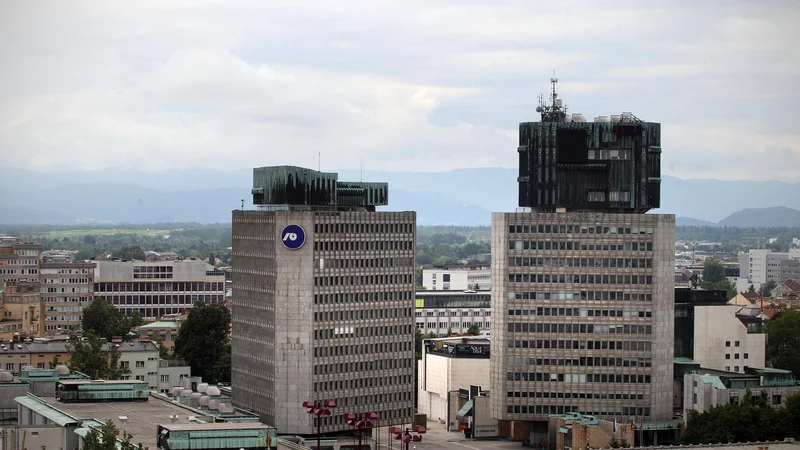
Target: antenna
(319, 162)
(242, 204)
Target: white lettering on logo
(290, 237)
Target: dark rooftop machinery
(612, 164)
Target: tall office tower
(582, 279)
(323, 301)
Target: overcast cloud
(412, 85)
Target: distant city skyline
(406, 86)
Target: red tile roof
(752, 296)
(793, 285)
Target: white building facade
(723, 342)
(459, 278)
(447, 365)
(443, 312)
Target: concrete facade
(582, 315)
(158, 288)
(763, 265)
(19, 260)
(722, 341)
(330, 320)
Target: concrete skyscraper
(323, 301)
(582, 279)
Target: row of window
(578, 312)
(338, 245)
(579, 395)
(579, 279)
(361, 280)
(376, 364)
(64, 280)
(361, 228)
(634, 246)
(585, 361)
(638, 346)
(66, 271)
(65, 299)
(178, 286)
(736, 356)
(581, 328)
(561, 409)
(161, 299)
(622, 263)
(444, 325)
(63, 290)
(361, 314)
(363, 349)
(454, 313)
(578, 378)
(579, 229)
(585, 295)
(371, 331)
(355, 263)
(152, 312)
(362, 297)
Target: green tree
(474, 329)
(163, 351)
(783, 341)
(222, 369)
(54, 362)
(92, 356)
(133, 321)
(130, 252)
(713, 271)
(766, 288)
(104, 439)
(103, 319)
(203, 339)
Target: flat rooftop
(143, 417)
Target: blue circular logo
(293, 236)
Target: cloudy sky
(413, 85)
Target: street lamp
(365, 422)
(319, 409)
(406, 437)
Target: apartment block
(19, 260)
(323, 301)
(66, 288)
(158, 288)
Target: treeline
(199, 243)
(753, 419)
(740, 236)
(23, 230)
(451, 245)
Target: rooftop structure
(298, 186)
(611, 164)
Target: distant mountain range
(459, 197)
(752, 217)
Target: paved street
(438, 438)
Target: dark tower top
(612, 164)
(298, 186)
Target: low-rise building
(438, 312)
(711, 332)
(447, 365)
(458, 278)
(706, 388)
(158, 288)
(164, 330)
(578, 431)
(21, 310)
